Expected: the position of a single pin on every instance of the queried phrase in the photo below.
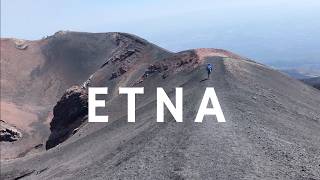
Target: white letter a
(210, 94)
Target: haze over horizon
(283, 33)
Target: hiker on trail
(209, 69)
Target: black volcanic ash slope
(34, 78)
(272, 128)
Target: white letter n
(162, 99)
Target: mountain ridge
(271, 130)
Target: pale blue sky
(270, 31)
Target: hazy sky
(271, 31)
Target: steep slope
(272, 128)
(35, 74)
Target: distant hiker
(209, 69)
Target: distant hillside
(315, 82)
(301, 73)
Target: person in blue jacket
(209, 69)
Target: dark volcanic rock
(8, 132)
(68, 115)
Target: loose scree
(162, 99)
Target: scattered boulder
(123, 69)
(122, 55)
(153, 68)
(9, 133)
(113, 75)
(20, 44)
(68, 115)
(61, 32)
